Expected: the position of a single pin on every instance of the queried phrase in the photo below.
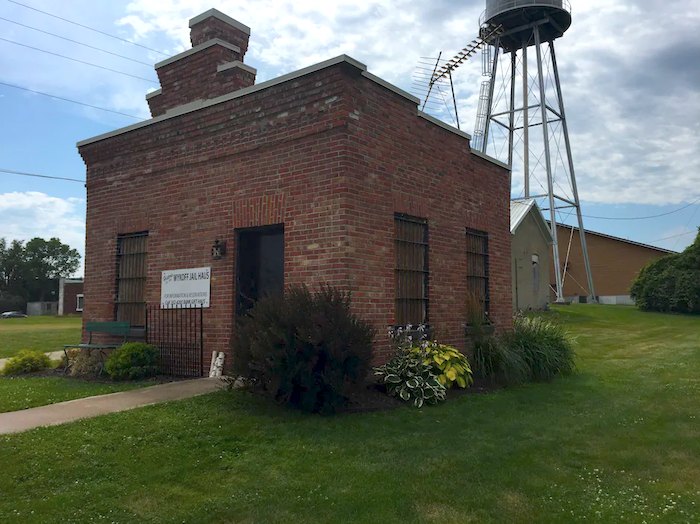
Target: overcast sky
(630, 76)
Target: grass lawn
(40, 333)
(617, 442)
(24, 392)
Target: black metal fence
(178, 334)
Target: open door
(259, 265)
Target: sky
(630, 73)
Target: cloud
(30, 214)
(629, 69)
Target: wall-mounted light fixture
(218, 250)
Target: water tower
(521, 117)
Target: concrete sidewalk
(53, 355)
(72, 410)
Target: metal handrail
(496, 8)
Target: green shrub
(497, 362)
(412, 373)
(448, 363)
(409, 376)
(132, 361)
(671, 283)
(544, 346)
(305, 349)
(26, 361)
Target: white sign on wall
(185, 288)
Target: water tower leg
(511, 121)
(548, 163)
(526, 123)
(574, 187)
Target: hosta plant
(409, 376)
(447, 363)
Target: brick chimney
(213, 67)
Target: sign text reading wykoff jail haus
(185, 288)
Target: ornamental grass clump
(497, 362)
(544, 346)
(304, 349)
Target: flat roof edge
(236, 64)
(195, 106)
(197, 49)
(444, 125)
(390, 87)
(154, 93)
(215, 13)
(490, 159)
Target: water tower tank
(517, 17)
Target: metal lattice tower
(521, 117)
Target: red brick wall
(399, 163)
(330, 154)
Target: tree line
(29, 271)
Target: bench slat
(113, 328)
(91, 346)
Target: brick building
(70, 296)
(615, 263)
(325, 175)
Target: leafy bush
(544, 346)
(498, 362)
(83, 362)
(132, 361)
(26, 361)
(412, 373)
(408, 375)
(671, 283)
(448, 363)
(305, 349)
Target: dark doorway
(259, 265)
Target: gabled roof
(618, 239)
(519, 209)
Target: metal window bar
(477, 252)
(411, 270)
(130, 300)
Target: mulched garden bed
(101, 379)
(373, 396)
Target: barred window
(411, 241)
(478, 271)
(130, 304)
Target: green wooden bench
(117, 329)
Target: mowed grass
(617, 442)
(39, 333)
(22, 392)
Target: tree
(671, 283)
(32, 271)
(11, 267)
